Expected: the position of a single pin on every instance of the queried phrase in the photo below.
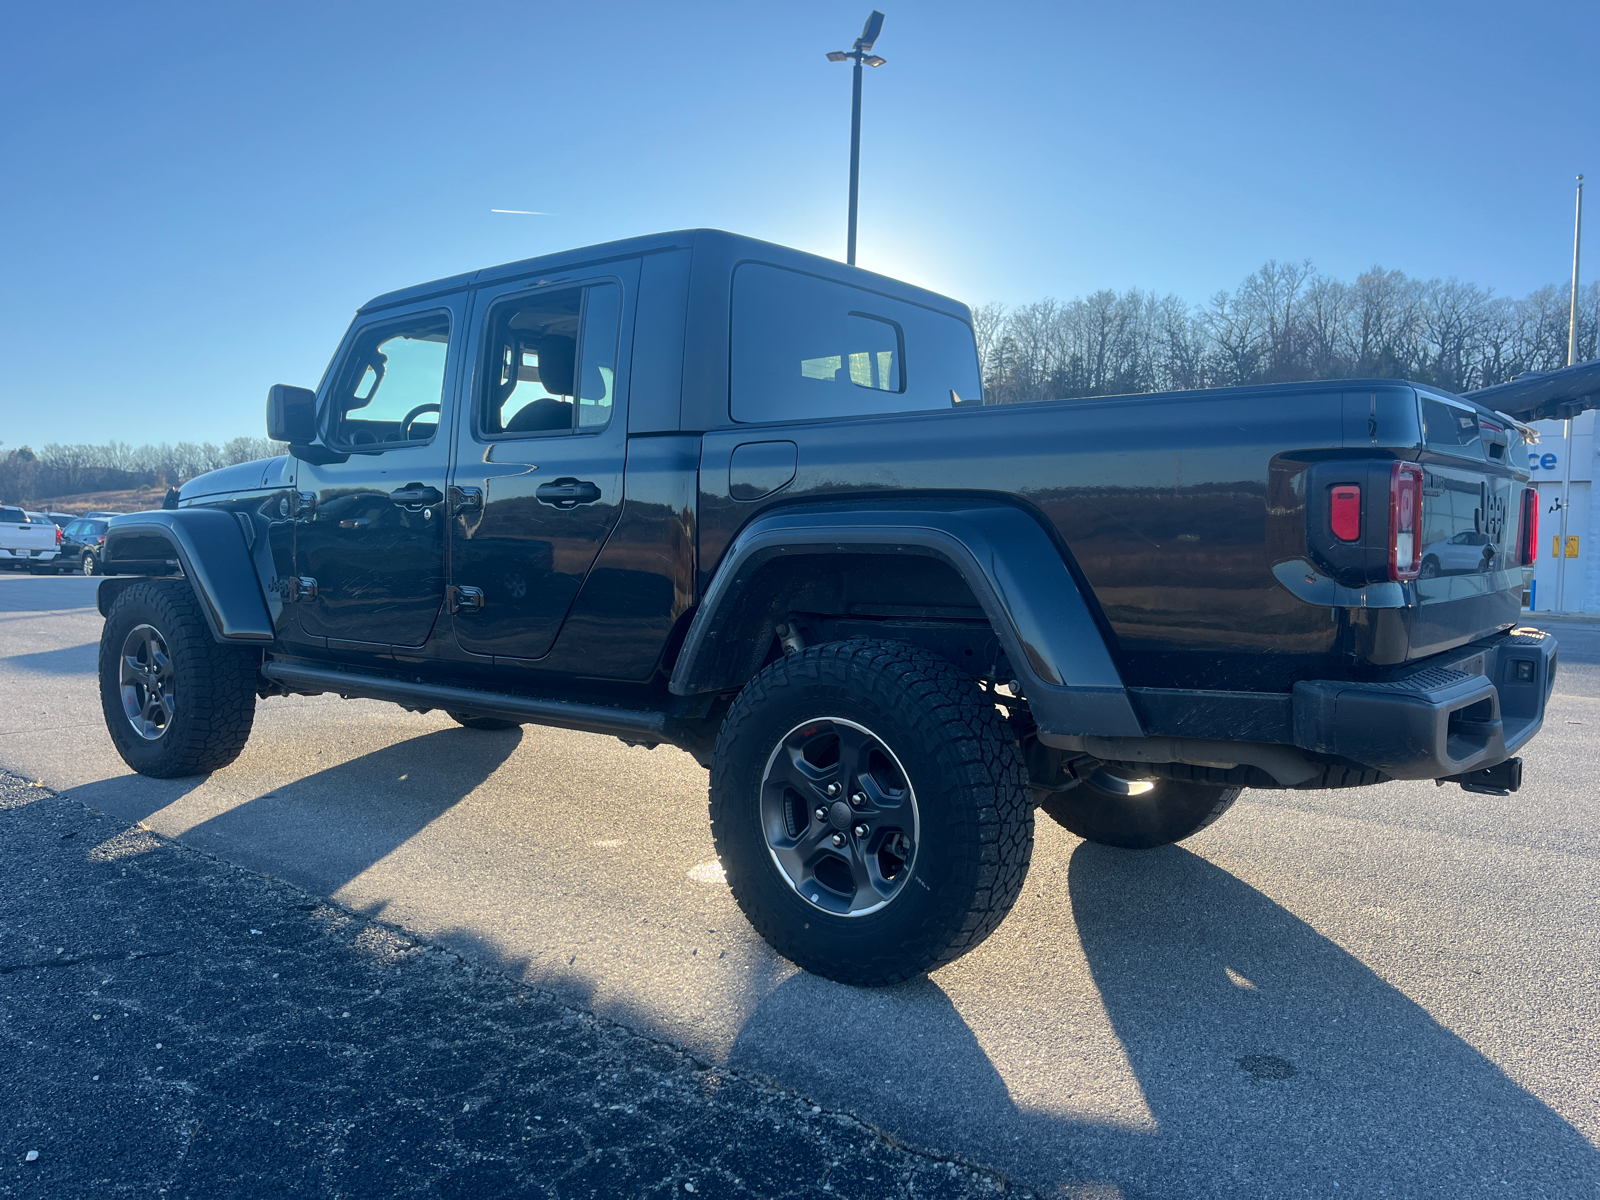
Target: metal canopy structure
(1545, 395)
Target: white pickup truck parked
(27, 542)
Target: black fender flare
(1009, 562)
(209, 545)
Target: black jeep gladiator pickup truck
(703, 490)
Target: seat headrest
(556, 355)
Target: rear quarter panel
(1160, 504)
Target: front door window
(389, 390)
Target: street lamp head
(870, 31)
(872, 60)
(838, 56)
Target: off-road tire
(214, 696)
(483, 722)
(1169, 812)
(970, 784)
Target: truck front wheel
(175, 701)
(871, 810)
(1115, 809)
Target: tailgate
(26, 536)
(1471, 580)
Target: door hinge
(296, 587)
(304, 503)
(464, 599)
(465, 499)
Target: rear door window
(805, 348)
(552, 362)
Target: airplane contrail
(521, 212)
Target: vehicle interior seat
(557, 355)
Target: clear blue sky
(195, 197)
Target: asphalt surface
(1383, 991)
(176, 1025)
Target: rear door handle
(568, 492)
(415, 494)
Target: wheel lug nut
(832, 789)
(860, 831)
(822, 813)
(858, 799)
(838, 839)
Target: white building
(1566, 577)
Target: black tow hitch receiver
(1499, 780)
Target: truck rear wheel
(175, 701)
(1120, 809)
(871, 810)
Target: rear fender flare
(1010, 564)
(209, 545)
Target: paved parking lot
(1385, 991)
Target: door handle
(415, 494)
(567, 492)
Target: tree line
(1286, 322)
(67, 469)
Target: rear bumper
(1459, 712)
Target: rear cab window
(806, 348)
(12, 516)
(1449, 428)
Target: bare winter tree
(1284, 322)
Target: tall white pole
(1577, 245)
(1566, 426)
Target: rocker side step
(630, 724)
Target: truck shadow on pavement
(1272, 1061)
(66, 660)
(327, 823)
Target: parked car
(61, 519)
(27, 540)
(81, 545)
(699, 489)
(102, 516)
(1466, 553)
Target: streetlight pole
(858, 54)
(1577, 244)
(1566, 426)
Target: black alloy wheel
(176, 702)
(839, 816)
(1115, 806)
(145, 680)
(871, 811)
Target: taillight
(1405, 520)
(1528, 529)
(1344, 512)
(58, 535)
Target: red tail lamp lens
(58, 535)
(1344, 512)
(1528, 530)
(1405, 521)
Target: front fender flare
(1012, 567)
(210, 547)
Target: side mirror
(291, 414)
